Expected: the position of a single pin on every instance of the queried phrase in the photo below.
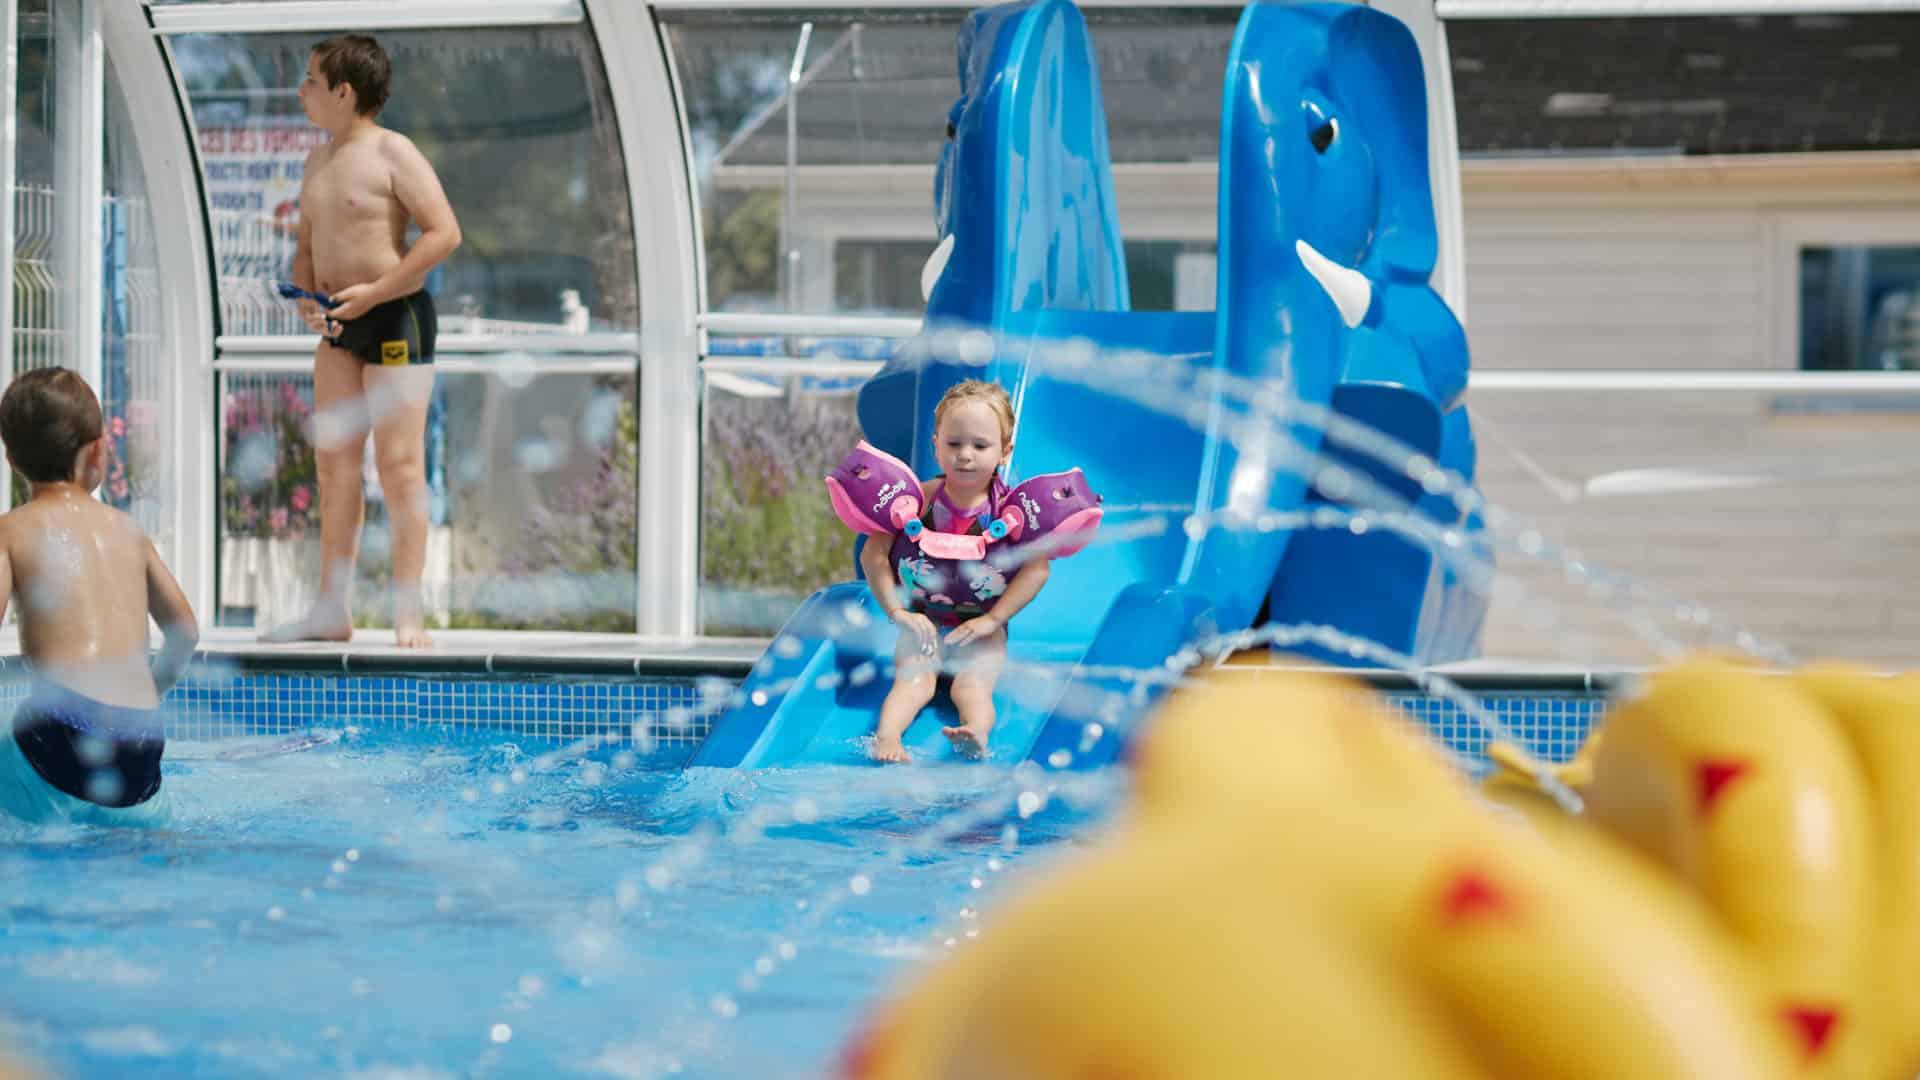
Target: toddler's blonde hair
(993, 394)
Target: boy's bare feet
(966, 740)
(888, 749)
(326, 622)
(409, 625)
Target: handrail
(731, 322)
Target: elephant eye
(1323, 136)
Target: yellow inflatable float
(1304, 887)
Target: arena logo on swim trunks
(393, 352)
(887, 493)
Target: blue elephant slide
(1326, 250)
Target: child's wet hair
(46, 417)
(360, 62)
(993, 394)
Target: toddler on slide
(963, 554)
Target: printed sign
(256, 168)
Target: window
(519, 126)
(1860, 308)
(531, 460)
(869, 122)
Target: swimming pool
(421, 876)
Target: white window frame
(1792, 230)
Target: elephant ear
(1375, 72)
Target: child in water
(973, 434)
(85, 745)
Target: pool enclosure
(692, 230)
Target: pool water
(371, 902)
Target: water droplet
(339, 866)
(469, 795)
(626, 759)
(863, 673)
(353, 854)
(1029, 803)
(677, 718)
(786, 646)
(306, 894)
(500, 1033)
(276, 913)
(975, 347)
(627, 894)
(994, 864)
(861, 885)
(977, 883)
(763, 965)
(749, 982)
(518, 775)
(498, 787)
(659, 877)
(759, 697)
(532, 985)
(1195, 527)
(1060, 758)
(360, 987)
(805, 811)
(1009, 837)
(857, 616)
(787, 950)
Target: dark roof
(1735, 85)
(1728, 85)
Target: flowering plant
(134, 454)
(268, 482)
(766, 521)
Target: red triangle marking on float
(1814, 1026)
(1471, 895)
(1713, 777)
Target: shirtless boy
(85, 746)
(373, 369)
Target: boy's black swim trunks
(393, 334)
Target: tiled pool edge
(668, 707)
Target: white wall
(1676, 265)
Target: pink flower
(277, 521)
(302, 498)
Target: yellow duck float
(1304, 887)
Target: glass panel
(518, 124)
(138, 379)
(876, 97)
(768, 538)
(534, 505)
(1860, 308)
(1786, 515)
(42, 330)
